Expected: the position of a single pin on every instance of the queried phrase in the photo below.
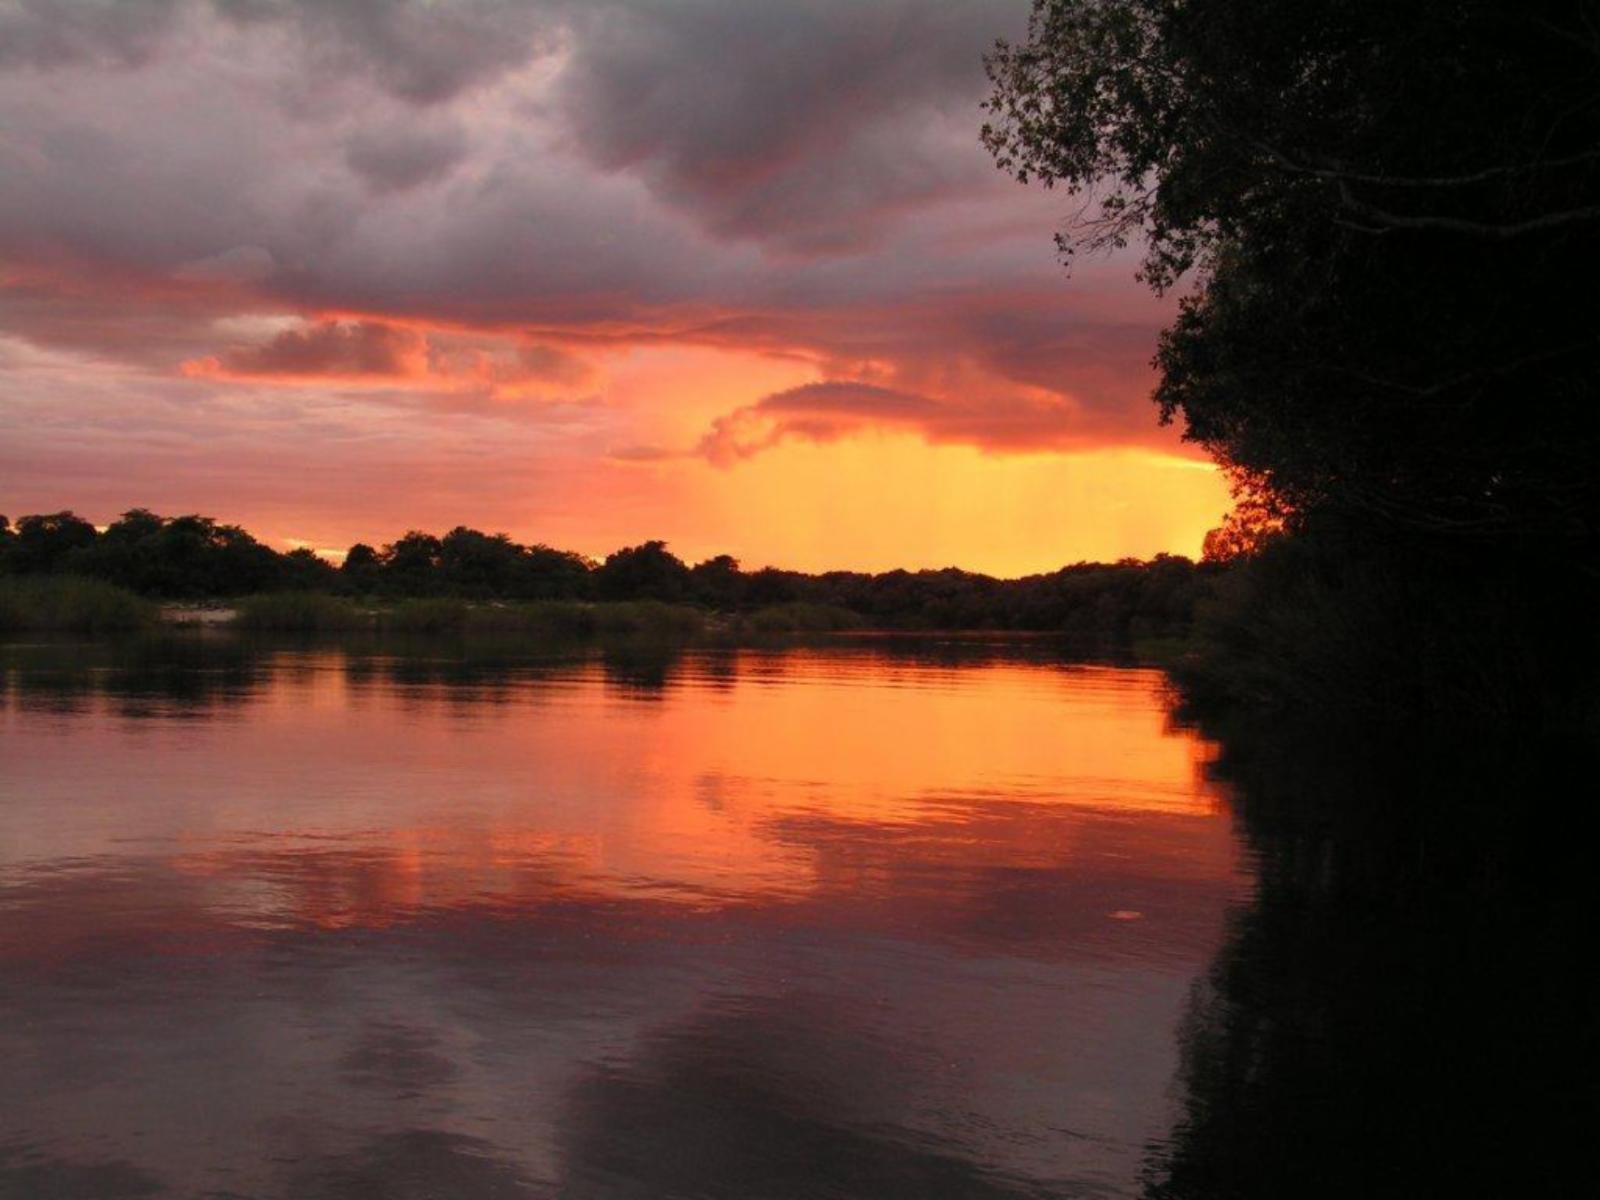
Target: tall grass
(546, 620)
(649, 618)
(428, 616)
(301, 612)
(71, 604)
(798, 618)
(553, 619)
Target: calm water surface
(328, 923)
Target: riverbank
(73, 605)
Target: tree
(42, 542)
(124, 553)
(476, 564)
(645, 572)
(1376, 204)
(304, 570)
(193, 555)
(133, 526)
(718, 582)
(411, 564)
(549, 574)
(361, 569)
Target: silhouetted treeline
(196, 558)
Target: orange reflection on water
(337, 792)
(550, 906)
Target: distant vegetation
(467, 581)
(68, 604)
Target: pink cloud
(826, 412)
(327, 349)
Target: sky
(736, 274)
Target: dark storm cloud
(787, 122)
(798, 179)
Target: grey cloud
(798, 123)
(552, 363)
(139, 206)
(421, 51)
(361, 348)
(397, 158)
(52, 33)
(237, 264)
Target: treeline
(196, 558)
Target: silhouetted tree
(361, 569)
(718, 582)
(43, 541)
(303, 570)
(644, 572)
(547, 574)
(772, 586)
(411, 564)
(478, 565)
(1377, 198)
(133, 526)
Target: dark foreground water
(864, 922)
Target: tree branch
(1483, 229)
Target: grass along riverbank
(69, 604)
(73, 605)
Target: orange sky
(586, 277)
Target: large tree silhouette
(1376, 206)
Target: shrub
(800, 618)
(432, 616)
(558, 620)
(71, 604)
(650, 618)
(300, 612)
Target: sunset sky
(732, 273)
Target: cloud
(420, 51)
(804, 125)
(553, 364)
(40, 34)
(237, 264)
(643, 454)
(826, 412)
(502, 365)
(475, 210)
(817, 412)
(358, 349)
(441, 369)
(397, 158)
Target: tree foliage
(1377, 206)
